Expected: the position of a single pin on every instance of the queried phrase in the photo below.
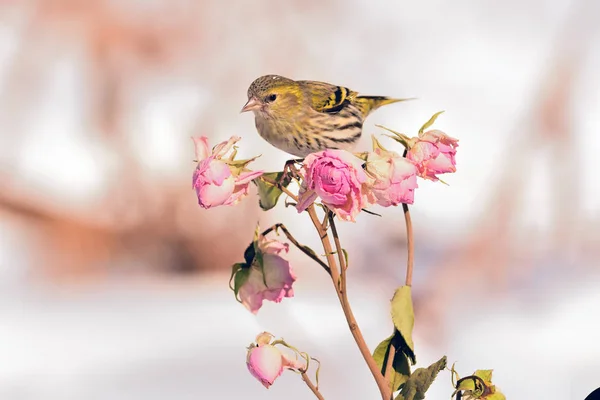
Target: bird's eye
(270, 98)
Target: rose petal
(222, 148)
(201, 147)
(211, 195)
(265, 363)
(337, 177)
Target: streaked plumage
(302, 117)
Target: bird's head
(273, 96)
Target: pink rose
(275, 271)
(394, 178)
(433, 153)
(216, 181)
(337, 177)
(266, 362)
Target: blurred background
(113, 281)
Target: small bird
(303, 117)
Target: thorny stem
(290, 166)
(354, 329)
(410, 245)
(311, 385)
(300, 247)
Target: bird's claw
(289, 171)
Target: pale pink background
(113, 282)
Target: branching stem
(353, 325)
(300, 247)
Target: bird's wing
(326, 98)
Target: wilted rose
(215, 180)
(337, 177)
(393, 178)
(433, 153)
(266, 362)
(272, 280)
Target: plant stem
(410, 245)
(390, 362)
(341, 255)
(312, 386)
(280, 187)
(300, 247)
(352, 324)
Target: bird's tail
(368, 104)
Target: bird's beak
(252, 104)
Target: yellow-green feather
(368, 104)
(309, 116)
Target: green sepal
(377, 144)
(362, 155)
(430, 122)
(240, 163)
(403, 318)
(238, 166)
(241, 276)
(420, 381)
(268, 193)
(400, 367)
(234, 269)
(398, 137)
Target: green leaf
(404, 319)
(234, 269)
(479, 386)
(240, 278)
(430, 122)
(420, 381)
(268, 193)
(400, 367)
(466, 383)
(485, 374)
